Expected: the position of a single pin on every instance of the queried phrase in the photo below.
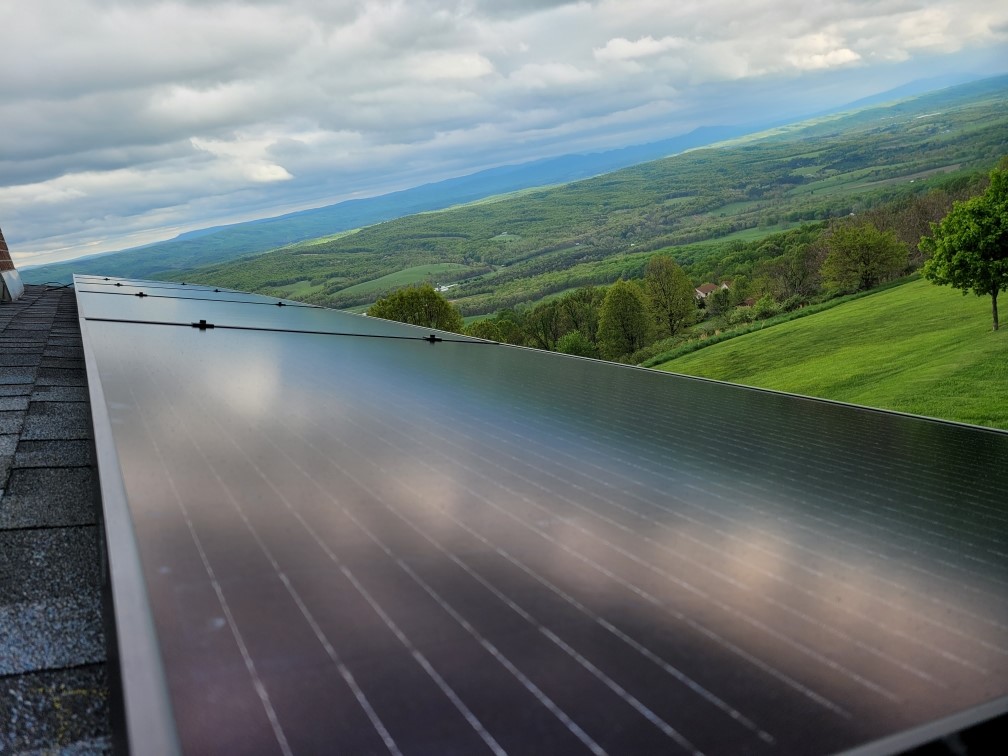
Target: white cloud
(122, 116)
(620, 48)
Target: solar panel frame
(604, 373)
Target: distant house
(705, 290)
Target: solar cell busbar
(331, 533)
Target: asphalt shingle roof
(54, 693)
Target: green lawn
(916, 348)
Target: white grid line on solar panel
(706, 489)
(860, 461)
(815, 439)
(257, 684)
(966, 662)
(794, 450)
(937, 533)
(666, 729)
(422, 660)
(681, 582)
(956, 658)
(316, 629)
(833, 665)
(489, 430)
(661, 724)
(905, 637)
(500, 657)
(740, 458)
(738, 462)
(695, 687)
(727, 500)
(658, 416)
(841, 451)
(791, 682)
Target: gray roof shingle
(54, 692)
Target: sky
(124, 122)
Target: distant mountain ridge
(223, 243)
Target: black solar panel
(364, 544)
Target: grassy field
(916, 348)
(405, 277)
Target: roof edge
(149, 721)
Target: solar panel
(355, 540)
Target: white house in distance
(705, 290)
(11, 287)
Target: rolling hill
(914, 348)
(224, 243)
(525, 246)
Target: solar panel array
(355, 540)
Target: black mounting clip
(203, 325)
(281, 304)
(432, 339)
(140, 294)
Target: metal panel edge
(939, 728)
(777, 392)
(149, 722)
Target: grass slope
(916, 348)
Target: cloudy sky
(127, 121)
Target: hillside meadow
(915, 348)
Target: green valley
(698, 206)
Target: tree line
(635, 318)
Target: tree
(580, 309)
(419, 305)
(861, 257)
(575, 342)
(484, 329)
(671, 295)
(624, 321)
(719, 302)
(792, 274)
(543, 325)
(969, 247)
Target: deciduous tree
(580, 310)
(484, 329)
(419, 305)
(625, 323)
(969, 247)
(671, 294)
(861, 257)
(575, 342)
